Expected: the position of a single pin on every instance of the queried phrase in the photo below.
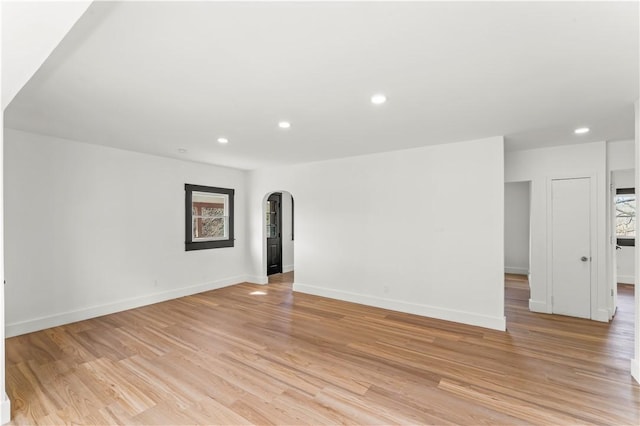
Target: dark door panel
(274, 237)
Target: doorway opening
(517, 212)
(623, 226)
(517, 218)
(279, 233)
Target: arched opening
(278, 235)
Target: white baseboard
(601, 315)
(5, 410)
(626, 279)
(635, 369)
(41, 323)
(516, 270)
(287, 268)
(539, 306)
(495, 323)
(542, 307)
(257, 279)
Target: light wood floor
(263, 355)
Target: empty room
(319, 213)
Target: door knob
(584, 258)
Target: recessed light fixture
(182, 150)
(581, 130)
(378, 99)
(284, 124)
(223, 140)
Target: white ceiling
(159, 76)
(23, 49)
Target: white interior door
(571, 247)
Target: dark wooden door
(274, 238)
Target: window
(626, 216)
(209, 217)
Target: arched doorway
(279, 227)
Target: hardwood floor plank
(114, 414)
(127, 389)
(249, 354)
(511, 406)
(211, 412)
(354, 407)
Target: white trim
(601, 315)
(539, 306)
(36, 324)
(495, 323)
(257, 279)
(516, 270)
(635, 363)
(5, 410)
(287, 268)
(626, 279)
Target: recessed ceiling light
(182, 150)
(581, 130)
(378, 99)
(284, 124)
(223, 140)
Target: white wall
(626, 265)
(435, 247)
(625, 256)
(287, 242)
(620, 155)
(91, 230)
(538, 166)
(516, 228)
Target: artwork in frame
(208, 217)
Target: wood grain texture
(250, 354)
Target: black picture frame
(203, 245)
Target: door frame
(613, 249)
(593, 186)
